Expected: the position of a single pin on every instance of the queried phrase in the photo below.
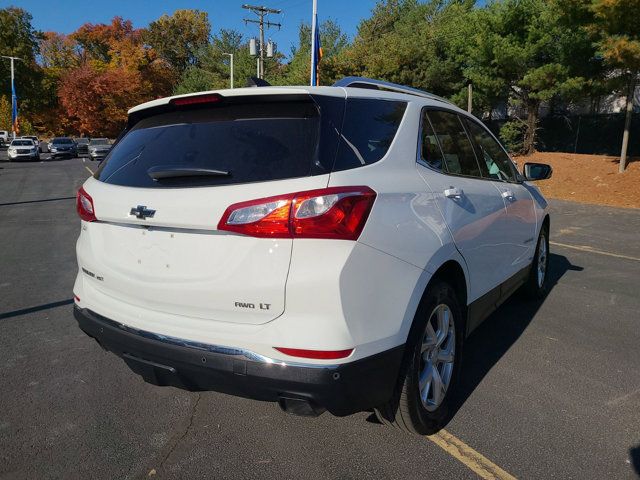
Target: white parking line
(585, 248)
(89, 170)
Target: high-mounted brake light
(315, 354)
(332, 213)
(196, 99)
(84, 206)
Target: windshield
(99, 141)
(82, 140)
(22, 143)
(63, 141)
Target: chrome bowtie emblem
(142, 212)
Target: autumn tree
(99, 100)
(178, 38)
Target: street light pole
(230, 55)
(14, 98)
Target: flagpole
(14, 99)
(314, 26)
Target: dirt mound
(589, 179)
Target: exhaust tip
(300, 407)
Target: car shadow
(495, 336)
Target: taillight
(334, 213)
(315, 354)
(84, 205)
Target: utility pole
(230, 55)
(14, 98)
(470, 98)
(261, 12)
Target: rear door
(471, 206)
(163, 188)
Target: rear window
(252, 140)
(246, 142)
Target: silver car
(99, 148)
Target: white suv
(328, 248)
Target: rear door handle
(508, 195)
(453, 192)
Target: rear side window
(459, 157)
(217, 145)
(430, 151)
(369, 127)
(494, 161)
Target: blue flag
(14, 110)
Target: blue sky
(65, 16)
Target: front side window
(493, 160)
(459, 157)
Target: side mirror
(537, 171)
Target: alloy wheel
(437, 356)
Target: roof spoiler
(370, 83)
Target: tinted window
(62, 140)
(251, 141)
(494, 161)
(22, 143)
(99, 141)
(459, 157)
(369, 127)
(430, 151)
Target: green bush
(512, 136)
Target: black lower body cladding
(342, 389)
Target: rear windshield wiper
(167, 171)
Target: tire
(406, 410)
(537, 284)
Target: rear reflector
(332, 213)
(76, 298)
(196, 99)
(84, 206)
(315, 354)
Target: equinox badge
(142, 212)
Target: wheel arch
(451, 272)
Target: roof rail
(363, 82)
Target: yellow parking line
(90, 171)
(477, 462)
(584, 248)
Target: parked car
(82, 144)
(99, 148)
(4, 137)
(63, 147)
(36, 142)
(325, 248)
(22, 149)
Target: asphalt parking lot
(549, 389)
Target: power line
(261, 12)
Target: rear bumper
(341, 389)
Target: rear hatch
(167, 182)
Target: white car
(23, 149)
(328, 248)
